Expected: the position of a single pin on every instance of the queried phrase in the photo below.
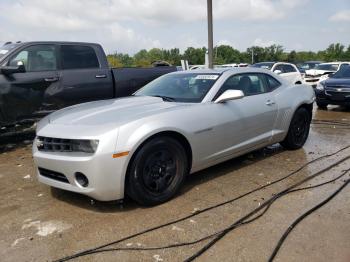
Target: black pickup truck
(37, 78)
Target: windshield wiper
(166, 98)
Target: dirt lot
(38, 223)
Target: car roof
(230, 70)
(265, 63)
(336, 62)
(314, 62)
(56, 42)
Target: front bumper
(105, 174)
(332, 98)
(312, 81)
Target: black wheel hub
(159, 170)
(300, 127)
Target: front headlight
(50, 144)
(86, 146)
(320, 86)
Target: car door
(245, 123)
(24, 94)
(82, 77)
(291, 74)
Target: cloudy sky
(130, 25)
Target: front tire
(298, 130)
(157, 171)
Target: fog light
(81, 179)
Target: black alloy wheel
(298, 130)
(157, 171)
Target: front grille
(339, 88)
(313, 76)
(53, 175)
(54, 144)
(311, 80)
(337, 93)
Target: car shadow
(192, 180)
(230, 166)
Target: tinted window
(327, 67)
(272, 83)
(266, 65)
(249, 84)
(78, 57)
(289, 69)
(36, 58)
(344, 72)
(280, 67)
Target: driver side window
(36, 58)
(280, 68)
(249, 84)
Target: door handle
(51, 79)
(101, 76)
(270, 102)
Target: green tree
(226, 54)
(195, 56)
(292, 57)
(335, 52)
(113, 61)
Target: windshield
(344, 72)
(6, 48)
(327, 67)
(266, 65)
(184, 87)
(307, 66)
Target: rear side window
(280, 67)
(272, 83)
(289, 69)
(78, 57)
(250, 84)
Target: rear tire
(157, 171)
(298, 130)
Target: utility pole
(252, 55)
(210, 32)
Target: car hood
(315, 72)
(341, 82)
(110, 112)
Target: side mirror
(330, 74)
(229, 95)
(278, 72)
(9, 70)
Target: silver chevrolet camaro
(146, 144)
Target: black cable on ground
(206, 209)
(303, 216)
(100, 249)
(209, 236)
(330, 121)
(331, 124)
(266, 203)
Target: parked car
(39, 77)
(335, 90)
(180, 123)
(307, 65)
(321, 72)
(286, 70)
